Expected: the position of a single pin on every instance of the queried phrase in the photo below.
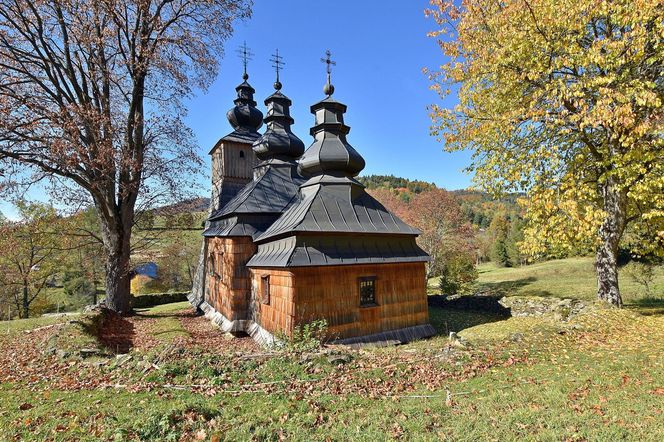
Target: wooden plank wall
(229, 166)
(332, 293)
(228, 288)
(227, 162)
(279, 315)
(236, 165)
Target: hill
(199, 204)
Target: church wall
(228, 287)
(276, 314)
(304, 294)
(333, 293)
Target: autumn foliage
(91, 102)
(562, 100)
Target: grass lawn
(563, 278)
(598, 377)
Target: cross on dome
(246, 56)
(328, 89)
(277, 64)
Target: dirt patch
(203, 333)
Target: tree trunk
(117, 281)
(26, 301)
(610, 233)
(117, 270)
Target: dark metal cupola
(244, 116)
(330, 153)
(278, 141)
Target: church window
(211, 264)
(265, 289)
(241, 154)
(367, 291)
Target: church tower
(233, 160)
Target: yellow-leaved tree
(561, 99)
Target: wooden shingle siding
(279, 315)
(228, 289)
(304, 294)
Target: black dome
(245, 115)
(278, 140)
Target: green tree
(499, 231)
(30, 254)
(513, 242)
(561, 99)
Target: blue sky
(380, 48)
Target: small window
(265, 289)
(211, 264)
(215, 264)
(367, 291)
(241, 154)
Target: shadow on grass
(648, 306)
(170, 314)
(456, 314)
(507, 288)
(117, 333)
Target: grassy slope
(563, 278)
(599, 377)
(569, 278)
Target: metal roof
(335, 221)
(273, 192)
(276, 181)
(240, 225)
(345, 207)
(330, 151)
(278, 141)
(315, 250)
(229, 189)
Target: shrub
(457, 275)
(305, 337)
(153, 299)
(643, 274)
(78, 288)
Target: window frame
(265, 289)
(211, 264)
(372, 302)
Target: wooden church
(293, 237)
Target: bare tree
(91, 100)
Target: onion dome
(245, 116)
(330, 153)
(278, 140)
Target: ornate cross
(277, 63)
(246, 55)
(328, 61)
